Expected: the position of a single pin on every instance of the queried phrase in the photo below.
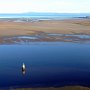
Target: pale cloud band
(59, 6)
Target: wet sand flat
(72, 26)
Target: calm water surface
(48, 64)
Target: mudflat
(69, 26)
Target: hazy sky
(62, 6)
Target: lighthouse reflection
(23, 72)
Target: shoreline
(22, 39)
(44, 27)
(53, 88)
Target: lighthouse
(23, 68)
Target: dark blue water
(47, 64)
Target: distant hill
(39, 13)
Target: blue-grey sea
(45, 15)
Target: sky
(58, 6)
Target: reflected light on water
(23, 72)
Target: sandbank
(71, 26)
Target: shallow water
(45, 37)
(73, 35)
(47, 64)
(26, 37)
